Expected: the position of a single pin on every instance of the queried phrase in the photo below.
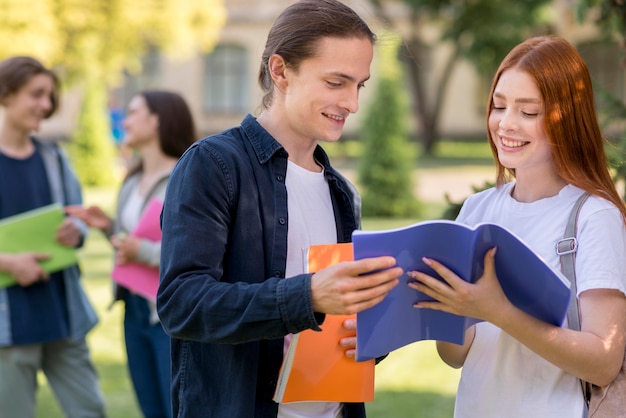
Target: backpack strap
(57, 150)
(566, 248)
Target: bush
(91, 148)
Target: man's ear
(277, 67)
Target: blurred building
(221, 86)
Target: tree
(610, 16)
(92, 42)
(385, 171)
(482, 31)
(90, 147)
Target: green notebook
(35, 231)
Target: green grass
(411, 382)
(463, 150)
(106, 340)
(446, 154)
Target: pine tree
(386, 167)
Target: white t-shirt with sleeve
(501, 377)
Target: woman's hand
(127, 248)
(482, 300)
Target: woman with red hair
(548, 150)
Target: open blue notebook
(528, 282)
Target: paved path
(432, 184)
(457, 182)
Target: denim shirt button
(280, 178)
(278, 273)
(282, 221)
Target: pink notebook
(136, 277)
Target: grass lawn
(106, 340)
(411, 382)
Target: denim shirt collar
(266, 146)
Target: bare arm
(593, 354)
(454, 355)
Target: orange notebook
(315, 367)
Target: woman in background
(159, 128)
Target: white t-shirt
(501, 377)
(129, 218)
(131, 212)
(311, 221)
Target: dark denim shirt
(223, 295)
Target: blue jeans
(148, 352)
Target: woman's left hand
(482, 300)
(127, 248)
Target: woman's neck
(532, 188)
(154, 160)
(155, 165)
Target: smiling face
(317, 97)
(30, 104)
(516, 123)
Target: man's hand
(68, 234)
(24, 267)
(349, 343)
(350, 287)
(93, 216)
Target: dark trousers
(148, 351)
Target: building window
(148, 78)
(226, 80)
